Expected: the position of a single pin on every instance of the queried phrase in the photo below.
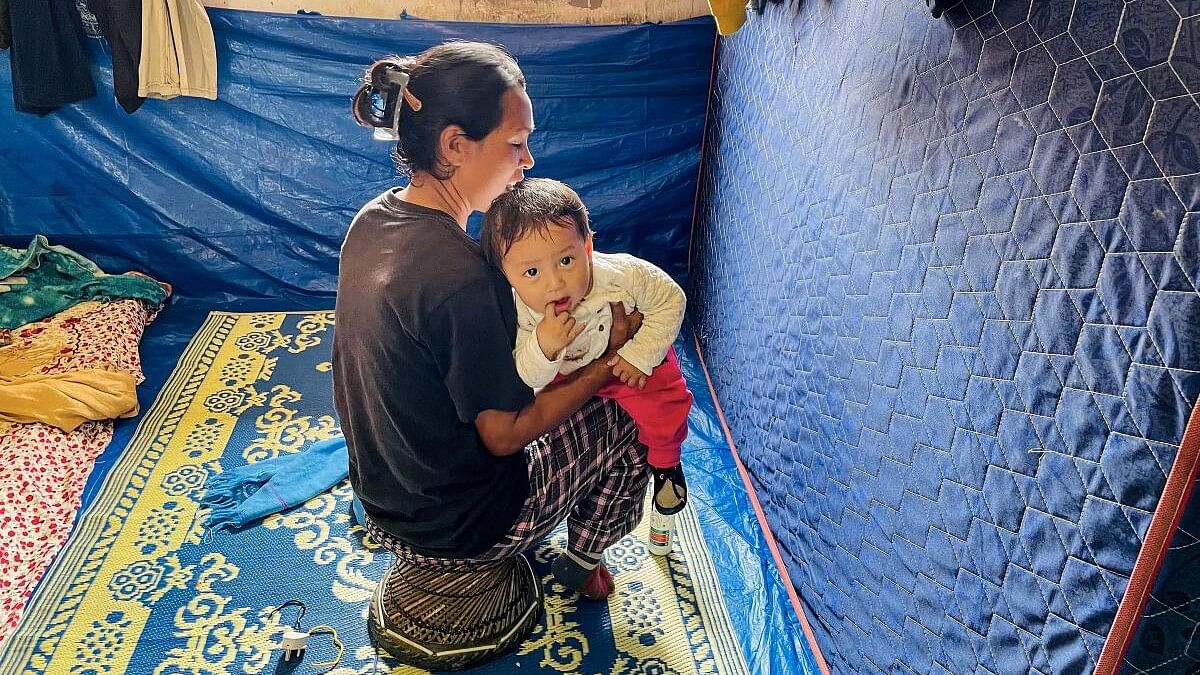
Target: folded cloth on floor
(43, 468)
(44, 279)
(67, 400)
(245, 494)
(29, 393)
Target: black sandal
(670, 490)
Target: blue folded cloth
(360, 515)
(245, 494)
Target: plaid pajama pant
(590, 470)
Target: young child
(538, 234)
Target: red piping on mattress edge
(762, 521)
(1154, 550)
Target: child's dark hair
(454, 83)
(533, 205)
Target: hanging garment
(120, 23)
(179, 53)
(50, 66)
(5, 28)
(937, 7)
(91, 27)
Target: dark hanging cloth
(937, 7)
(5, 29)
(91, 28)
(121, 25)
(50, 66)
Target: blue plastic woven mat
(746, 586)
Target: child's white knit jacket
(616, 277)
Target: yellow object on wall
(730, 15)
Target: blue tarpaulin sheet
(249, 196)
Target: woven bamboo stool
(448, 620)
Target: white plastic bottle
(662, 532)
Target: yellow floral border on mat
(178, 444)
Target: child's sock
(670, 490)
(585, 561)
(583, 572)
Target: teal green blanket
(43, 280)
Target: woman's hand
(506, 433)
(624, 327)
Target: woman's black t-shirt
(422, 344)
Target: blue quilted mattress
(946, 279)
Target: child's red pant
(660, 410)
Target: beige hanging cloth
(179, 54)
